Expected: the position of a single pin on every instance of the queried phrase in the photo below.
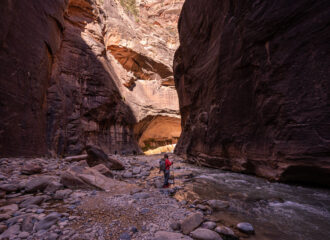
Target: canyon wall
(78, 72)
(254, 90)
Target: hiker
(164, 165)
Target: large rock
(28, 223)
(191, 222)
(79, 177)
(62, 194)
(162, 235)
(30, 168)
(10, 232)
(226, 232)
(48, 221)
(253, 86)
(104, 170)
(9, 208)
(32, 201)
(38, 183)
(9, 187)
(205, 234)
(245, 227)
(96, 156)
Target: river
(276, 210)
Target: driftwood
(76, 158)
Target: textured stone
(9, 208)
(162, 235)
(226, 231)
(252, 98)
(104, 170)
(97, 156)
(27, 224)
(191, 222)
(209, 225)
(38, 183)
(52, 187)
(32, 201)
(30, 168)
(88, 178)
(62, 194)
(10, 232)
(9, 187)
(205, 234)
(48, 221)
(245, 227)
(86, 79)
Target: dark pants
(166, 177)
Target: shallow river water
(277, 211)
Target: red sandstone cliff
(77, 72)
(254, 90)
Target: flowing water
(277, 211)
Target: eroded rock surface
(79, 72)
(253, 85)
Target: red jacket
(167, 164)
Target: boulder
(10, 232)
(4, 216)
(32, 201)
(209, 225)
(30, 168)
(53, 187)
(62, 194)
(23, 235)
(245, 227)
(9, 208)
(104, 170)
(38, 183)
(28, 223)
(162, 235)
(205, 234)
(79, 177)
(97, 156)
(226, 232)
(9, 187)
(48, 221)
(191, 222)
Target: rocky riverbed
(71, 199)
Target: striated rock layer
(80, 72)
(253, 85)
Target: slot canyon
(234, 96)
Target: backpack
(162, 165)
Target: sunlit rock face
(83, 72)
(253, 84)
(156, 131)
